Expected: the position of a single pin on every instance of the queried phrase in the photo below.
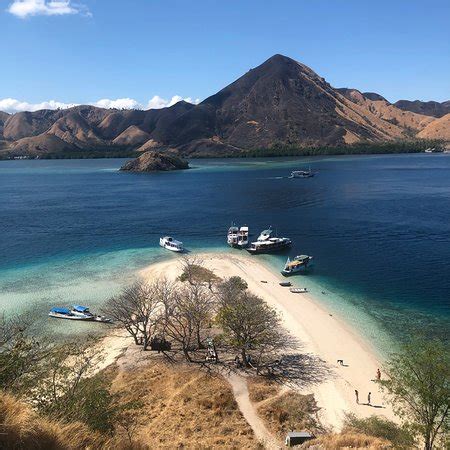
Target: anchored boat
(77, 312)
(267, 243)
(172, 244)
(66, 313)
(237, 237)
(298, 264)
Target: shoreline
(319, 332)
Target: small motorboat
(285, 283)
(102, 319)
(295, 290)
(302, 173)
(172, 244)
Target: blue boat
(77, 312)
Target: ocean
(77, 231)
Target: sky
(152, 53)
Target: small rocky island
(154, 161)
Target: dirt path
(240, 391)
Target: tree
(250, 324)
(188, 312)
(418, 386)
(195, 273)
(138, 309)
(230, 288)
(19, 353)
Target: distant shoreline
(401, 147)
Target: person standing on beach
(357, 396)
(368, 398)
(378, 374)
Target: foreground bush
(21, 428)
(348, 440)
(381, 428)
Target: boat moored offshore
(172, 244)
(298, 264)
(66, 313)
(265, 234)
(302, 173)
(237, 237)
(267, 243)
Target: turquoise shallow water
(378, 226)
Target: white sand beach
(319, 332)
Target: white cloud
(120, 103)
(12, 105)
(26, 8)
(157, 102)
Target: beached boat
(267, 243)
(66, 313)
(299, 264)
(295, 290)
(302, 173)
(285, 283)
(172, 244)
(237, 237)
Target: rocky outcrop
(153, 161)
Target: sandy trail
(320, 333)
(240, 391)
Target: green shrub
(381, 428)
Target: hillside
(434, 109)
(438, 129)
(279, 103)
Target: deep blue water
(378, 227)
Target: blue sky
(86, 50)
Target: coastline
(319, 332)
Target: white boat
(265, 235)
(302, 174)
(269, 244)
(77, 313)
(232, 235)
(237, 237)
(83, 311)
(172, 244)
(298, 264)
(65, 313)
(295, 290)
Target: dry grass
(179, 407)
(282, 410)
(21, 428)
(260, 389)
(183, 406)
(347, 441)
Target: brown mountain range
(281, 102)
